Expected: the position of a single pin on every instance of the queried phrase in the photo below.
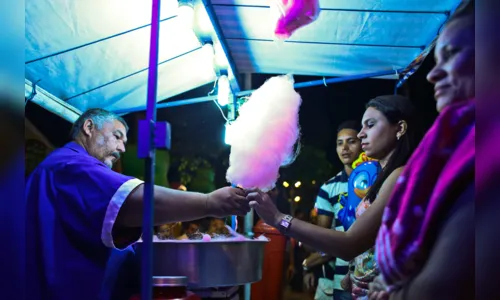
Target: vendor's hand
(378, 289)
(265, 208)
(309, 281)
(227, 201)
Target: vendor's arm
(92, 199)
(449, 271)
(178, 206)
(345, 245)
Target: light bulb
(223, 90)
(229, 134)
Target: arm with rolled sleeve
(89, 197)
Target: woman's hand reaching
(265, 207)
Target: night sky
(198, 129)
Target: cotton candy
(265, 135)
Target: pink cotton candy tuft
(265, 134)
(295, 14)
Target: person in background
(80, 213)
(332, 270)
(217, 227)
(389, 134)
(427, 222)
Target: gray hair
(99, 116)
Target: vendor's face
(378, 135)
(107, 143)
(453, 75)
(348, 146)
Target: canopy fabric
(349, 37)
(94, 53)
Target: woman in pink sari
(425, 245)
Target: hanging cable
(32, 94)
(215, 100)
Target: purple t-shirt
(73, 200)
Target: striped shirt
(327, 203)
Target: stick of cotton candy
(264, 135)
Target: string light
(223, 90)
(228, 138)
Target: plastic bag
(294, 14)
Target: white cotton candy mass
(264, 135)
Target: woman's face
(378, 136)
(453, 75)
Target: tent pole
(147, 224)
(248, 226)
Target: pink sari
(437, 173)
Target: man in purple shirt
(82, 217)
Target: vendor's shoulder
(65, 159)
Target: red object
(170, 288)
(170, 293)
(295, 14)
(271, 285)
(175, 185)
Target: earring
(398, 137)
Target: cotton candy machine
(222, 262)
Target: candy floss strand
(266, 133)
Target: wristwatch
(284, 224)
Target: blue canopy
(94, 53)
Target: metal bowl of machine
(214, 263)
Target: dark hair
(99, 116)
(395, 108)
(350, 124)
